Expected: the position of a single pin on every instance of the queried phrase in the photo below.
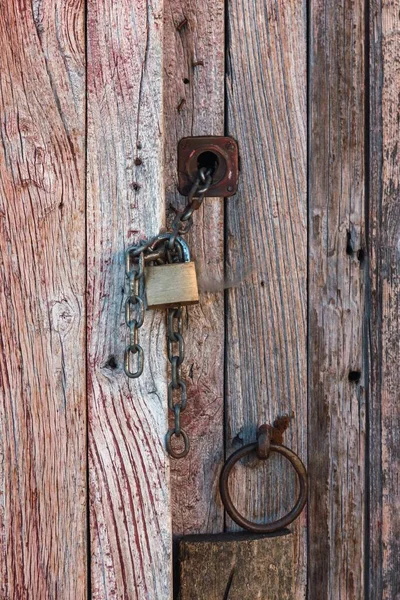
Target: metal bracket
(218, 152)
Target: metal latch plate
(220, 152)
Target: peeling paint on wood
(42, 312)
(128, 467)
(194, 82)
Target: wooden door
(299, 307)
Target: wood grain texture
(42, 312)
(236, 566)
(194, 105)
(129, 490)
(267, 240)
(337, 377)
(384, 315)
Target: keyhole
(209, 160)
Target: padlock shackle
(167, 236)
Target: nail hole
(354, 376)
(111, 363)
(138, 161)
(186, 80)
(262, 283)
(350, 244)
(135, 186)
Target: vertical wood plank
(384, 324)
(194, 105)
(336, 299)
(267, 241)
(42, 309)
(129, 490)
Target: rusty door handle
(264, 445)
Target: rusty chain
(183, 221)
(175, 338)
(135, 306)
(161, 249)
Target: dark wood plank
(194, 105)
(43, 553)
(337, 378)
(267, 244)
(384, 322)
(238, 567)
(129, 468)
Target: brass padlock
(172, 284)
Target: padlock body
(171, 284)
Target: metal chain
(184, 220)
(135, 306)
(175, 339)
(163, 248)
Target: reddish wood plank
(129, 494)
(267, 239)
(42, 311)
(194, 105)
(384, 325)
(336, 300)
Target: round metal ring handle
(279, 523)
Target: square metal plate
(221, 152)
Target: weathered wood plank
(267, 240)
(384, 325)
(129, 492)
(194, 105)
(237, 566)
(336, 300)
(42, 311)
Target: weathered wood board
(266, 228)
(237, 566)
(130, 528)
(83, 447)
(337, 376)
(42, 310)
(383, 570)
(194, 53)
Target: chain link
(135, 306)
(184, 220)
(177, 385)
(161, 249)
